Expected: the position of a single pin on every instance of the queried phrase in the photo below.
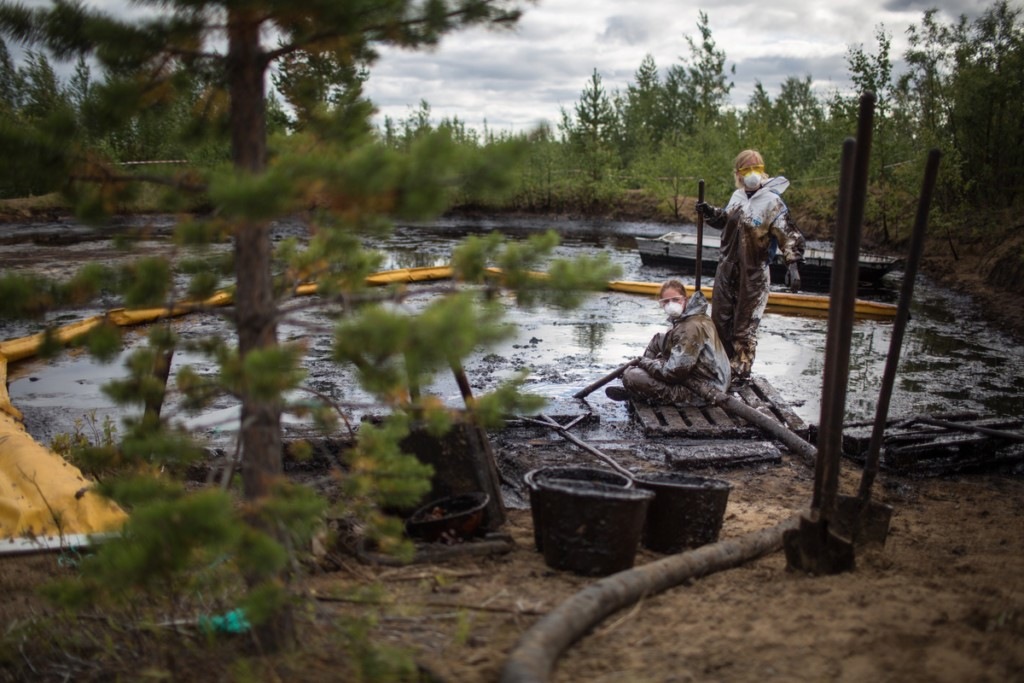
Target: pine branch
(381, 30)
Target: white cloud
(514, 79)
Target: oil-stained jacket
(690, 350)
(740, 293)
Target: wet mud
(952, 361)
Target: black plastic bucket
(590, 528)
(449, 520)
(534, 478)
(687, 510)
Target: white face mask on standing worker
(752, 176)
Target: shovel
(858, 517)
(815, 546)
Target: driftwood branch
(535, 654)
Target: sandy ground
(943, 600)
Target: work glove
(706, 210)
(650, 365)
(793, 277)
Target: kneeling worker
(690, 350)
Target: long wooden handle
(594, 386)
(700, 236)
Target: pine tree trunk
(255, 307)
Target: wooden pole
(564, 432)
(898, 327)
(700, 236)
(594, 386)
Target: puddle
(943, 368)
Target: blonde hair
(748, 157)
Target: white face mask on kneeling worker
(673, 309)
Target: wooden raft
(711, 422)
(912, 446)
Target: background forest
(642, 147)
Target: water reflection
(590, 336)
(414, 258)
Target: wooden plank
(695, 418)
(941, 456)
(674, 421)
(750, 397)
(719, 417)
(721, 425)
(648, 418)
(985, 459)
(696, 454)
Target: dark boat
(677, 248)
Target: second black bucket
(687, 510)
(591, 528)
(534, 478)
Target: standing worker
(687, 352)
(754, 215)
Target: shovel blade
(864, 526)
(816, 549)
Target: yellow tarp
(37, 485)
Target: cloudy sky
(515, 79)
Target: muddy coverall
(691, 349)
(740, 294)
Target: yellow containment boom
(42, 494)
(778, 302)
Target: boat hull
(677, 249)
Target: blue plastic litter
(231, 622)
